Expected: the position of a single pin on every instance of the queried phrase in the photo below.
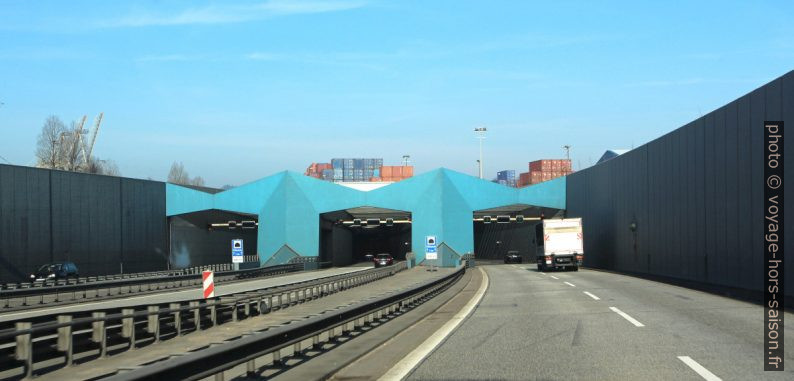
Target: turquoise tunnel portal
(290, 209)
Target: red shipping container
(396, 171)
(385, 171)
(408, 171)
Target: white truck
(559, 244)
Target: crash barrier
(310, 263)
(28, 341)
(469, 259)
(31, 297)
(149, 274)
(213, 361)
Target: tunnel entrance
(204, 238)
(508, 228)
(347, 236)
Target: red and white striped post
(209, 284)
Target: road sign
(237, 251)
(431, 250)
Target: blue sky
(238, 90)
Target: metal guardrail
(469, 259)
(146, 274)
(215, 360)
(76, 292)
(55, 335)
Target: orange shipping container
(397, 171)
(408, 171)
(385, 171)
(524, 179)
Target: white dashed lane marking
(592, 296)
(703, 372)
(627, 317)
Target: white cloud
(227, 14)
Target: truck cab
(559, 244)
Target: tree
(110, 168)
(197, 181)
(178, 174)
(102, 167)
(49, 152)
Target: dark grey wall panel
(787, 114)
(24, 220)
(731, 207)
(757, 110)
(86, 219)
(696, 194)
(48, 216)
(144, 246)
(744, 202)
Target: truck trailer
(559, 244)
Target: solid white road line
(592, 296)
(553, 277)
(409, 362)
(542, 273)
(570, 284)
(627, 317)
(703, 372)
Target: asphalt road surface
(592, 325)
(175, 296)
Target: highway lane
(183, 295)
(592, 325)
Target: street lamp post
(479, 132)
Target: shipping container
(385, 171)
(408, 171)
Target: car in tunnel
(383, 260)
(513, 256)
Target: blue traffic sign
(237, 251)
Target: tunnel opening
(205, 238)
(498, 231)
(348, 236)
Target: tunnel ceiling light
(519, 218)
(375, 222)
(390, 222)
(235, 224)
(489, 219)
